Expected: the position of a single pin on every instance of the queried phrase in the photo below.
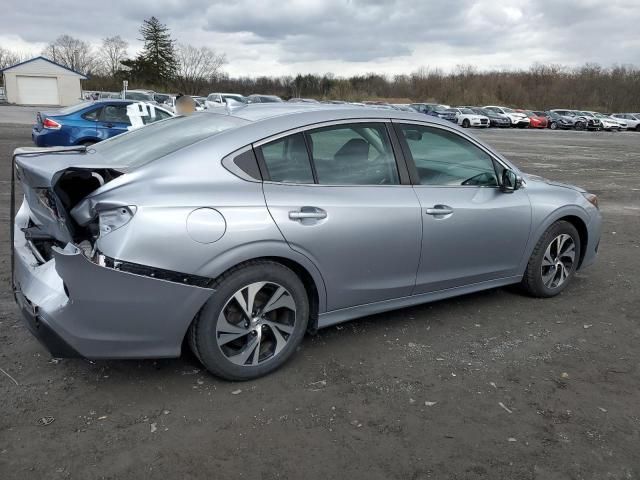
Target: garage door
(37, 90)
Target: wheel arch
(581, 227)
(573, 214)
(279, 252)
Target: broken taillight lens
(51, 124)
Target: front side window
(354, 154)
(445, 158)
(287, 160)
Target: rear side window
(445, 158)
(287, 160)
(357, 154)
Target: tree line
(165, 65)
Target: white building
(40, 81)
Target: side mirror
(510, 181)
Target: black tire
(638, 128)
(88, 143)
(579, 125)
(466, 123)
(533, 282)
(553, 126)
(202, 335)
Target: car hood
(530, 178)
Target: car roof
(303, 112)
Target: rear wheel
(553, 262)
(254, 322)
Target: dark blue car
(86, 123)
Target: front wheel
(553, 262)
(553, 126)
(466, 123)
(580, 126)
(253, 323)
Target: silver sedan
(240, 232)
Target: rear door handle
(306, 213)
(439, 210)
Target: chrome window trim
(328, 123)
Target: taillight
(48, 123)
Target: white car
(518, 119)
(631, 119)
(610, 123)
(465, 117)
(218, 101)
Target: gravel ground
(490, 386)
(14, 114)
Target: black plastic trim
(158, 273)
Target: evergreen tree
(158, 57)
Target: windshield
(467, 111)
(237, 98)
(508, 110)
(137, 147)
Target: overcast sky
(276, 37)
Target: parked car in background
(632, 120)
(218, 101)
(518, 119)
(236, 234)
(302, 100)
(495, 119)
(621, 123)
(433, 109)
(139, 95)
(89, 122)
(535, 120)
(561, 122)
(606, 122)
(465, 117)
(593, 122)
(577, 119)
(404, 107)
(257, 98)
(447, 114)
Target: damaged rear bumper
(78, 308)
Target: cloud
(351, 36)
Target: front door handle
(439, 210)
(307, 213)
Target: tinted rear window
(144, 145)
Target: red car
(535, 120)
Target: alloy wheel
(256, 323)
(558, 261)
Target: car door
(113, 120)
(339, 196)
(472, 231)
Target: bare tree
(113, 51)
(72, 53)
(197, 67)
(9, 57)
